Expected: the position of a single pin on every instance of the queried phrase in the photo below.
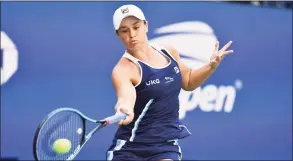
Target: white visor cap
(126, 11)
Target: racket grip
(116, 118)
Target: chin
(134, 47)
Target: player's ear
(146, 25)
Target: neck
(143, 53)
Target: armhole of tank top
(160, 48)
(135, 61)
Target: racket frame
(85, 137)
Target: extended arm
(193, 78)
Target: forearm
(126, 98)
(125, 103)
(198, 76)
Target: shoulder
(171, 50)
(124, 69)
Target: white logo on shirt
(176, 70)
(152, 82)
(169, 79)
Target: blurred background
(273, 4)
(61, 54)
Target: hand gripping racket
(69, 124)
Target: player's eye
(136, 27)
(124, 31)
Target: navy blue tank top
(156, 110)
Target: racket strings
(63, 125)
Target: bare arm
(125, 91)
(193, 78)
(199, 76)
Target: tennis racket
(66, 123)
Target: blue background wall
(67, 51)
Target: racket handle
(115, 118)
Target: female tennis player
(147, 80)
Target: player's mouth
(134, 42)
